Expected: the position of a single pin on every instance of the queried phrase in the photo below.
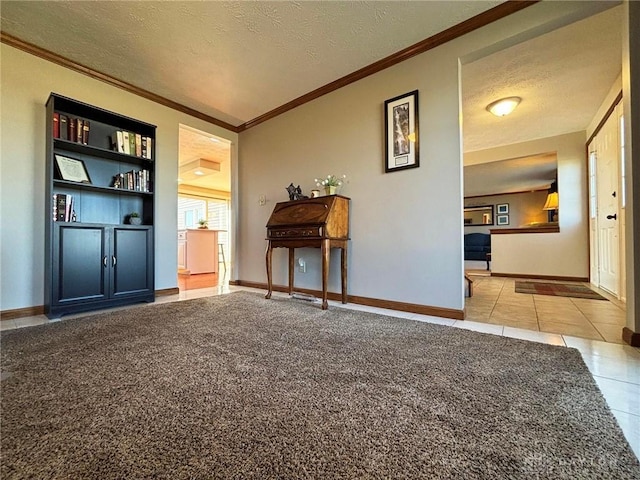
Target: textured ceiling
(231, 60)
(194, 145)
(238, 60)
(562, 77)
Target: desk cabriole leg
(343, 273)
(291, 268)
(325, 272)
(268, 260)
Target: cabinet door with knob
(96, 266)
(79, 266)
(131, 262)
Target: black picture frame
(401, 129)
(71, 169)
(502, 209)
(502, 220)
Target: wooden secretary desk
(321, 222)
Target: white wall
(566, 253)
(27, 82)
(631, 99)
(406, 227)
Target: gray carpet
(242, 387)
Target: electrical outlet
(302, 265)
(262, 200)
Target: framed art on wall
(401, 132)
(502, 209)
(502, 219)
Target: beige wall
(555, 254)
(631, 100)
(524, 209)
(27, 82)
(406, 227)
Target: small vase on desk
(330, 189)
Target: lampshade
(552, 202)
(504, 106)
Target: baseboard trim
(540, 277)
(22, 312)
(39, 309)
(371, 302)
(167, 291)
(631, 337)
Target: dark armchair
(477, 246)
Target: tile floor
(615, 367)
(495, 301)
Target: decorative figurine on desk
(295, 193)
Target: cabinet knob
(113, 260)
(104, 260)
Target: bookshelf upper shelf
(69, 146)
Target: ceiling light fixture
(199, 167)
(504, 106)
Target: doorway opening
(204, 210)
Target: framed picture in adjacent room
(502, 219)
(401, 132)
(502, 209)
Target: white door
(608, 221)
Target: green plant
(202, 222)
(330, 181)
(134, 215)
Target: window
(190, 211)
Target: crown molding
(473, 23)
(103, 77)
(496, 13)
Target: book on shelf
(56, 125)
(138, 145)
(85, 132)
(64, 127)
(63, 207)
(117, 141)
(132, 143)
(126, 143)
(79, 129)
(149, 143)
(136, 180)
(72, 129)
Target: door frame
(616, 106)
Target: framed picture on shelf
(502, 209)
(71, 169)
(401, 132)
(502, 219)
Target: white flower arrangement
(330, 181)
